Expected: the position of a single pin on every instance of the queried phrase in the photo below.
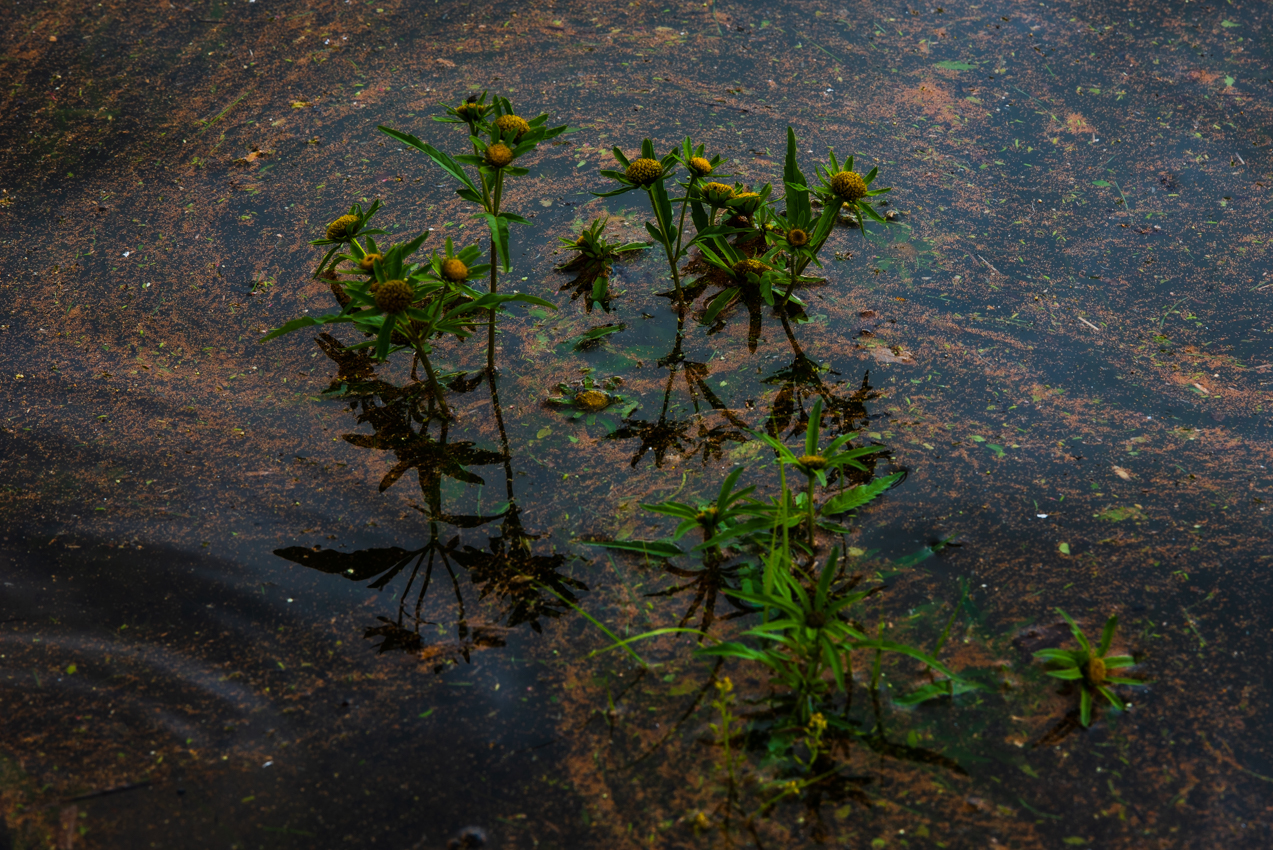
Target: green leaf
(951, 65)
(1107, 635)
(652, 548)
(1062, 656)
(858, 496)
(719, 303)
(498, 226)
(444, 160)
(1085, 707)
(384, 340)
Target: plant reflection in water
(507, 571)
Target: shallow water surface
(255, 597)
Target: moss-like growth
(700, 166)
(394, 296)
(512, 125)
(644, 171)
(849, 186)
(341, 227)
(453, 269)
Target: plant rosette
(593, 401)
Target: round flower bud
(644, 171)
(848, 185)
(499, 155)
(454, 270)
(716, 194)
(339, 229)
(592, 399)
(700, 166)
(394, 296)
(744, 267)
(797, 238)
(367, 264)
(512, 126)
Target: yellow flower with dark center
(368, 263)
(644, 171)
(743, 267)
(499, 155)
(394, 296)
(512, 125)
(848, 185)
(812, 462)
(797, 238)
(339, 229)
(707, 516)
(1095, 671)
(700, 166)
(716, 194)
(592, 399)
(453, 269)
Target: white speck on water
(1042, 516)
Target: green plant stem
(490, 323)
(434, 386)
(667, 244)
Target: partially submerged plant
(595, 259)
(343, 230)
(588, 398)
(842, 187)
(1090, 667)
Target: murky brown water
(1064, 338)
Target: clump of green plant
(649, 173)
(499, 137)
(343, 230)
(406, 305)
(587, 399)
(1090, 667)
(844, 188)
(595, 260)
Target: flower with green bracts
(404, 305)
(754, 274)
(693, 159)
(644, 172)
(747, 203)
(844, 187)
(593, 246)
(344, 229)
(586, 399)
(1090, 667)
(470, 112)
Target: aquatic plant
(595, 259)
(343, 230)
(1090, 666)
(842, 187)
(499, 136)
(587, 398)
(407, 305)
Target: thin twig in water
(119, 789)
(987, 262)
(1089, 324)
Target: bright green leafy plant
(1090, 667)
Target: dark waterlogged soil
(1063, 337)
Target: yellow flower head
(499, 155)
(592, 399)
(707, 515)
(1095, 671)
(743, 267)
(746, 202)
(339, 229)
(471, 110)
(849, 186)
(700, 166)
(511, 125)
(813, 461)
(797, 238)
(644, 171)
(725, 684)
(394, 296)
(716, 194)
(791, 787)
(817, 722)
(453, 269)
(368, 263)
